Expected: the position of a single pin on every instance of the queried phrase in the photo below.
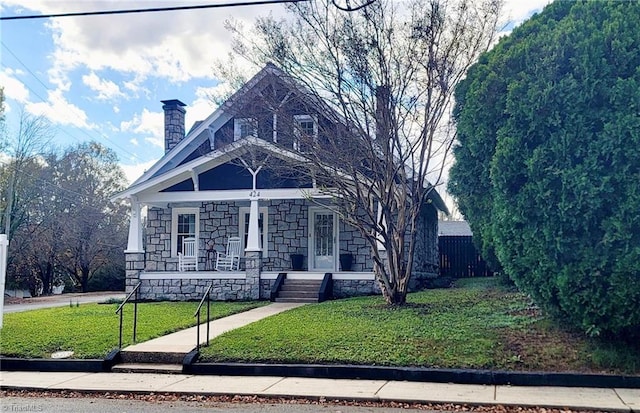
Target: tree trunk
(84, 280)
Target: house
(218, 182)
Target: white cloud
(60, 111)
(176, 45)
(516, 11)
(134, 141)
(200, 108)
(155, 141)
(13, 88)
(147, 123)
(134, 171)
(106, 89)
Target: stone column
(134, 264)
(252, 282)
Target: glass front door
(323, 240)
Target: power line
(155, 9)
(110, 143)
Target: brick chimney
(173, 123)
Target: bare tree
(387, 73)
(31, 140)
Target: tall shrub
(548, 162)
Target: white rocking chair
(231, 260)
(188, 258)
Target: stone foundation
(134, 263)
(353, 288)
(193, 289)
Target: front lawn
(91, 330)
(475, 325)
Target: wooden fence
(459, 258)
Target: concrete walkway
(606, 399)
(185, 340)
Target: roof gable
(200, 133)
(212, 160)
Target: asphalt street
(74, 405)
(60, 301)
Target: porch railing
(205, 297)
(120, 310)
(326, 288)
(277, 286)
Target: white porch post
(135, 228)
(253, 237)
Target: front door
(323, 240)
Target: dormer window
(306, 132)
(243, 127)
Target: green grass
(91, 330)
(476, 325)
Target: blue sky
(102, 77)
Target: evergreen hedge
(548, 163)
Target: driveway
(12, 305)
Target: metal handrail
(205, 296)
(135, 312)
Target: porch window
(243, 127)
(184, 224)
(263, 225)
(306, 132)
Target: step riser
(303, 290)
(297, 294)
(151, 369)
(148, 357)
(296, 300)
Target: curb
(52, 365)
(458, 376)
(352, 372)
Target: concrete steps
(153, 357)
(147, 368)
(169, 353)
(160, 362)
(299, 291)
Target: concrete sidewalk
(366, 390)
(184, 341)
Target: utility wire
(155, 9)
(110, 143)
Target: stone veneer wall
(218, 222)
(134, 263)
(287, 233)
(192, 289)
(353, 288)
(352, 241)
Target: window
(263, 225)
(306, 132)
(243, 127)
(184, 224)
